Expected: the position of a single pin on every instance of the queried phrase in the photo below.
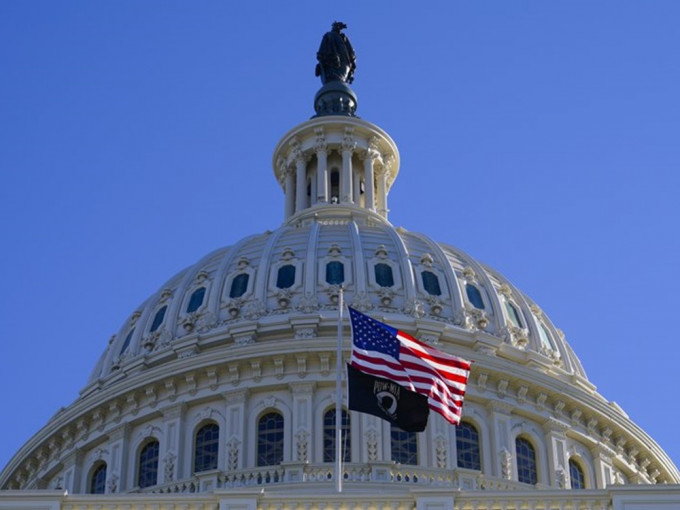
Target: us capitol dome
(219, 389)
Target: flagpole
(338, 399)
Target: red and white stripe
(440, 376)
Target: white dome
(360, 242)
(250, 331)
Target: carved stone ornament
(441, 451)
(254, 310)
(320, 144)
(232, 454)
(561, 478)
(515, 336)
(381, 252)
(506, 464)
(308, 303)
(113, 483)
(386, 295)
(362, 301)
(305, 333)
(206, 321)
(476, 319)
(372, 444)
(169, 462)
(302, 439)
(427, 260)
(415, 308)
(165, 295)
(334, 250)
(469, 274)
(349, 143)
(333, 292)
(283, 298)
(233, 307)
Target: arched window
(335, 273)
(206, 447)
(239, 285)
(383, 275)
(513, 314)
(335, 186)
(196, 300)
(404, 446)
(126, 344)
(467, 446)
(431, 283)
(158, 319)
(270, 439)
(474, 296)
(147, 467)
(286, 276)
(578, 479)
(98, 479)
(526, 461)
(329, 436)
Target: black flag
(387, 400)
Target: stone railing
(458, 479)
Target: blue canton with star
(372, 335)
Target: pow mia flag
(387, 400)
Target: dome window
(383, 275)
(98, 479)
(526, 461)
(239, 285)
(404, 446)
(513, 314)
(270, 439)
(196, 300)
(126, 344)
(431, 283)
(285, 277)
(474, 296)
(147, 471)
(467, 447)
(578, 479)
(329, 436)
(335, 273)
(158, 319)
(206, 447)
(545, 337)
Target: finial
(336, 62)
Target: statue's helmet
(338, 25)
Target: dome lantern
(335, 163)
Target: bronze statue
(336, 57)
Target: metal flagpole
(338, 399)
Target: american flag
(383, 351)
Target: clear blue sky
(540, 137)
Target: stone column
(558, 462)
(301, 183)
(502, 449)
(171, 463)
(235, 423)
(290, 192)
(116, 473)
(348, 145)
(321, 166)
(602, 460)
(369, 192)
(302, 421)
(72, 472)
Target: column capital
(349, 143)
